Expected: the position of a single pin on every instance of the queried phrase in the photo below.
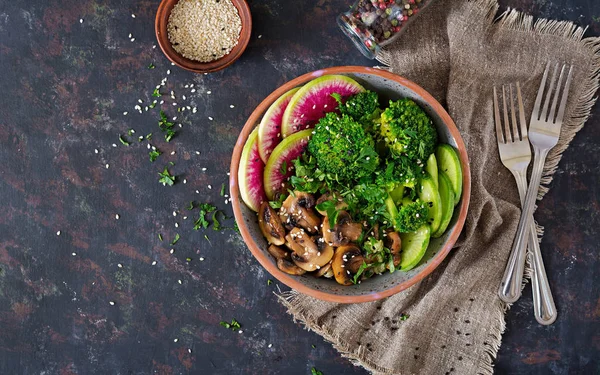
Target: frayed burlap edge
(513, 20)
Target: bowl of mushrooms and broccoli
(350, 184)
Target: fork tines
(510, 131)
(554, 88)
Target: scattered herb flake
(156, 93)
(360, 271)
(234, 325)
(191, 205)
(283, 169)
(176, 239)
(151, 66)
(188, 259)
(149, 136)
(169, 134)
(160, 237)
(223, 189)
(215, 219)
(166, 178)
(206, 238)
(130, 132)
(404, 316)
(314, 371)
(269, 282)
(153, 155)
(313, 346)
(123, 141)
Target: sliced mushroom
(393, 242)
(314, 261)
(289, 267)
(325, 271)
(340, 205)
(346, 262)
(297, 210)
(344, 230)
(270, 225)
(278, 253)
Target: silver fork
(544, 131)
(515, 154)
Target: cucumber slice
(414, 246)
(432, 168)
(449, 163)
(428, 193)
(447, 197)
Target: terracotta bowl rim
(294, 282)
(160, 27)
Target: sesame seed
(185, 181)
(171, 251)
(120, 265)
(58, 233)
(203, 169)
(107, 166)
(81, 20)
(117, 216)
(260, 36)
(209, 92)
(197, 152)
(174, 213)
(209, 186)
(169, 71)
(231, 106)
(111, 303)
(270, 345)
(154, 263)
(176, 225)
(210, 118)
(185, 218)
(240, 331)
(132, 15)
(175, 340)
(129, 35)
(193, 90)
(201, 259)
(114, 145)
(190, 351)
(179, 281)
(96, 150)
(74, 254)
(133, 39)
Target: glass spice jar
(371, 24)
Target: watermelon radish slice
(276, 172)
(314, 100)
(250, 173)
(269, 130)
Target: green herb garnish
(404, 316)
(160, 237)
(201, 222)
(169, 134)
(360, 271)
(166, 178)
(314, 371)
(151, 66)
(190, 206)
(149, 136)
(283, 168)
(176, 239)
(123, 141)
(153, 155)
(330, 208)
(269, 282)
(223, 189)
(130, 132)
(156, 93)
(234, 325)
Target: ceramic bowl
(389, 87)
(160, 27)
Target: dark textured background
(65, 86)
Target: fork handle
(543, 303)
(510, 287)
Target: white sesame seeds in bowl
(203, 35)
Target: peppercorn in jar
(371, 24)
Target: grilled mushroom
(308, 254)
(289, 267)
(278, 253)
(297, 210)
(346, 262)
(325, 271)
(344, 230)
(341, 205)
(270, 225)
(393, 242)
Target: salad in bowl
(348, 184)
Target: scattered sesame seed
(197, 192)
(153, 46)
(107, 166)
(120, 265)
(111, 303)
(174, 213)
(117, 216)
(231, 106)
(228, 173)
(154, 263)
(176, 225)
(203, 169)
(175, 340)
(168, 71)
(209, 186)
(58, 233)
(133, 39)
(114, 145)
(129, 35)
(81, 20)
(171, 251)
(193, 90)
(185, 181)
(270, 345)
(74, 254)
(179, 281)
(132, 15)
(185, 218)
(240, 331)
(210, 118)
(201, 259)
(96, 150)
(197, 152)
(190, 351)
(260, 36)
(172, 152)
(209, 92)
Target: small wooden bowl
(160, 26)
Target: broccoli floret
(343, 149)
(362, 107)
(407, 130)
(411, 216)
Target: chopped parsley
(149, 136)
(153, 155)
(314, 371)
(404, 316)
(215, 219)
(123, 141)
(166, 178)
(188, 259)
(223, 189)
(329, 207)
(269, 282)
(176, 239)
(313, 346)
(206, 238)
(169, 134)
(360, 271)
(201, 222)
(191, 205)
(156, 93)
(234, 325)
(130, 132)
(152, 105)
(151, 66)
(160, 237)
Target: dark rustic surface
(65, 87)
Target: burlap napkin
(457, 51)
